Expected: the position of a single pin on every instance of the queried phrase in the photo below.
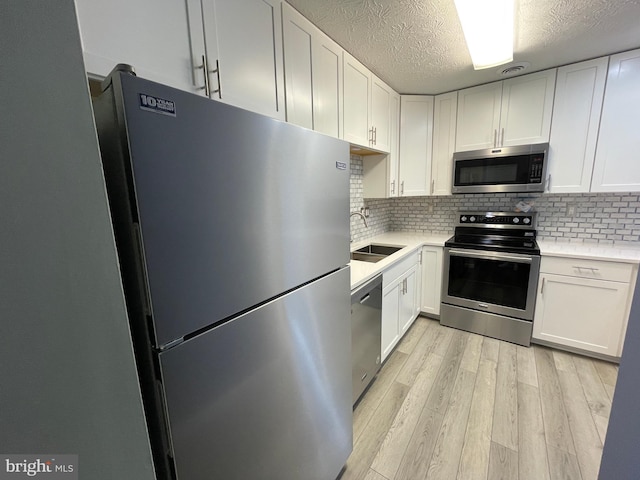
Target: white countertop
(589, 251)
(363, 271)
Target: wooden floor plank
(562, 465)
(505, 416)
(438, 399)
(527, 372)
(556, 424)
(446, 454)
(598, 398)
(373, 475)
(601, 425)
(532, 453)
(417, 458)
(371, 399)
(412, 337)
(608, 371)
(421, 351)
(471, 357)
(491, 349)
(441, 342)
(563, 361)
(366, 447)
(503, 463)
(583, 428)
(474, 460)
(387, 461)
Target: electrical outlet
(366, 212)
(571, 210)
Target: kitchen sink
(374, 253)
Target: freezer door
(234, 207)
(268, 394)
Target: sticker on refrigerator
(341, 165)
(157, 105)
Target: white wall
(68, 382)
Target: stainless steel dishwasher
(366, 331)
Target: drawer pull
(593, 270)
(363, 377)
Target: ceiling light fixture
(488, 30)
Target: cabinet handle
(371, 136)
(375, 135)
(433, 184)
(502, 138)
(420, 258)
(548, 183)
(542, 289)
(393, 187)
(402, 188)
(593, 270)
(205, 71)
(495, 137)
(217, 72)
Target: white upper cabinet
(616, 165)
(512, 112)
(367, 107)
(243, 40)
(527, 104)
(381, 114)
(357, 90)
(416, 130)
(152, 36)
(478, 117)
(298, 44)
(313, 73)
(574, 131)
(444, 142)
(327, 85)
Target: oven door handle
(491, 256)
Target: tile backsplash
(606, 218)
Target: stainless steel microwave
(508, 169)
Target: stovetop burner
(497, 231)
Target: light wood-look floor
(450, 405)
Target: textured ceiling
(417, 46)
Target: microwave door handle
(490, 256)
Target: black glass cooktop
(520, 241)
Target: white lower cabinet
(431, 280)
(400, 300)
(583, 304)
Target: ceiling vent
(513, 69)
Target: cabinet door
(574, 131)
(444, 142)
(616, 166)
(416, 131)
(381, 114)
(527, 103)
(390, 325)
(478, 117)
(297, 34)
(245, 36)
(327, 85)
(356, 91)
(409, 304)
(152, 36)
(394, 147)
(431, 280)
(581, 313)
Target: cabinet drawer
(396, 270)
(595, 269)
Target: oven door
(494, 282)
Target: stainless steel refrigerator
(233, 235)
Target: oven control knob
(516, 220)
(463, 219)
(526, 220)
(472, 219)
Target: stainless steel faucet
(364, 219)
